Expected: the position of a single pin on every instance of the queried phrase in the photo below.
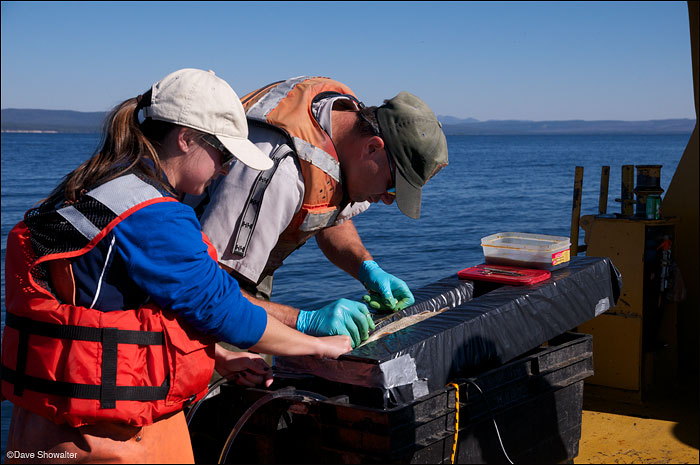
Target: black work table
(486, 326)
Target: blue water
(492, 184)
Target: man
(332, 158)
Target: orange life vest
(287, 106)
(80, 365)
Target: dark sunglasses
(392, 169)
(227, 157)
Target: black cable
(291, 393)
(194, 408)
(493, 417)
(288, 393)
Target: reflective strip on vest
(314, 221)
(317, 157)
(79, 222)
(119, 195)
(270, 100)
(123, 193)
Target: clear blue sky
(487, 60)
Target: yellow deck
(662, 430)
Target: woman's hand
(279, 339)
(334, 346)
(244, 368)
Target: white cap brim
(247, 152)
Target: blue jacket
(157, 253)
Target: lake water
(492, 184)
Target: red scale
(504, 274)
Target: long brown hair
(126, 146)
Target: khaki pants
(262, 291)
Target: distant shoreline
(447, 132)
(36, 121)
(29, 131)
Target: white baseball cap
(201, 100)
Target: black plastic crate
(536, 401)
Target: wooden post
(576, 209)
(627, 188)
(604, 182)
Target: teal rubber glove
(342, 317)
(387, 293)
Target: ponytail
(126, 145)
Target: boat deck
(663, 429)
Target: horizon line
(475, 120)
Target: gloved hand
(387, 292)
(340, 317)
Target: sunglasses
(227, 157)
(392, 169)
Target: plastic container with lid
(526, 250)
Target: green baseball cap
(414, 139)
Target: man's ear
(374, 144)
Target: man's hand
(387, 292)
(342, 317)
(378, 303)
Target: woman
(115, 300)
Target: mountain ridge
(70, 121)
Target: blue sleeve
(165, 255)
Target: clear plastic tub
(526, 250)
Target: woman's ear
(185, 139)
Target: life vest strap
(82, 333)
(251, 209)
(108, 392)
(87, 391)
